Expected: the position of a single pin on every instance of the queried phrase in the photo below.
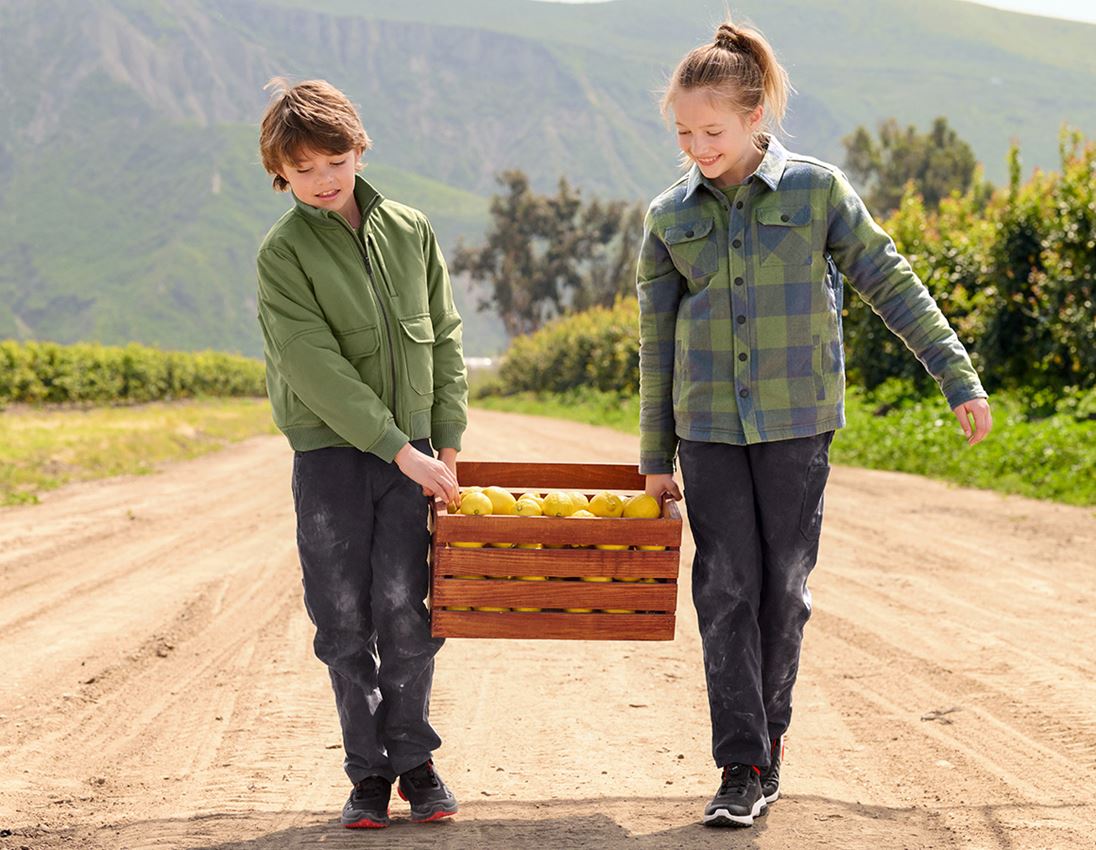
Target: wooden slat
(562, 530)
(545, 626)
(533, 476)
(564, 563)
(554, 594)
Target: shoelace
(422, 776)
(736, 778)
(370, 786)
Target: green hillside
(131, 198)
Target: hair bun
(728, 36)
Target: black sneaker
(429, 797)
(770, 776)
(739, 798)
(367, 807)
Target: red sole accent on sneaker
(436, 816)
(400, 792)
(365, 823)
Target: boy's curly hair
(310, 116)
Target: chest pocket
(694, 250)
(784, 236)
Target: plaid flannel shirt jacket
(740, 329)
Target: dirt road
(158, 687)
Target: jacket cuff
(390, 442)
(655, 466)
(446, 435)
(963, 393)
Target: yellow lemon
(606, 504)
(530, 546)
(527, 507)
(651, 548)
(611, 546)
(597, 578)
(502, 502)
(579, 610)
(557, 504)
(617, 611)
(471, 578)
(642, 506)
(579, 500)
(584, 514)
(466, 490)
(536, 497)
(476, 504)
(457, 608)
(466, 545)
(489, 608)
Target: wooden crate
(643, 582)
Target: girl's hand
(978, 410)
(435, 476)
(659, 484)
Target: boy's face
(712, 135)
(324, 180)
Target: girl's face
(324, 180)
(715, 137)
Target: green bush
(51, 373)
(595, 349)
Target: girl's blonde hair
(740, 69)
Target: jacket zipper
(364, 251)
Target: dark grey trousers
(756, 514)
(363, 542)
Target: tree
(937, 162)
(547, 254)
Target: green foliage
(937, 163)
(49, 373)
(547, 254)
(1013, 273)
(597, 349)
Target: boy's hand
(978, 410)
(659, 484)
(435, 476)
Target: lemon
(466, 545)
(642, 506)
(606, 504)
(557, 504)
(536, 497)
(584, 514)
(502, 502)
(597, 578)
(457, 608)
(611, 546)
(476, 504)
(651, 548)
(527, 507)
(466, 490)
(617, 611)
(489, 608)
(579, 500)
(530, 546)
(471, 578)
(579, 610)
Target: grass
(44, 448)
(1052, 458)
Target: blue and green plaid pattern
(740, 307)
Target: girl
(742, 376)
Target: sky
(1075, 10)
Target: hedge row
(50, 373)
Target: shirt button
(742, 320)
(738, 281)
(738, 205)
(742, 356)
(785, 217)
(737, 243)
(688, 234)
(743, 392)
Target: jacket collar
(367, 197)
(768, 172)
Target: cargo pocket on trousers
(810, 514)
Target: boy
(364, 372)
